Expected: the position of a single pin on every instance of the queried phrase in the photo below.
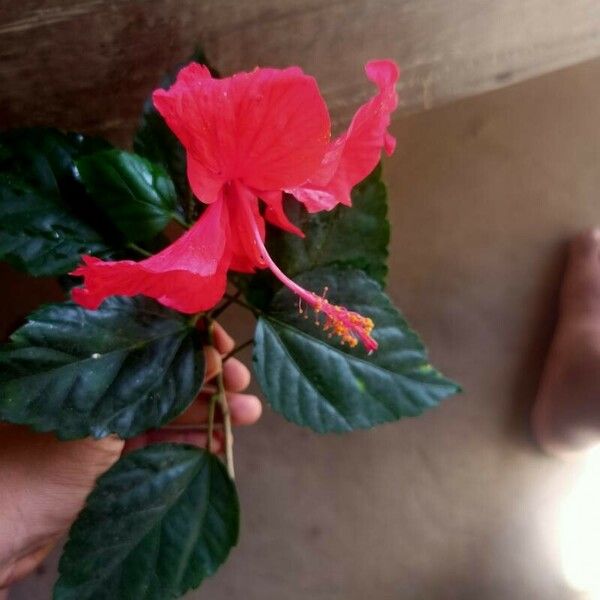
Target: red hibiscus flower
(252, 136)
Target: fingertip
(223, 341)
(586, 243)
(236, 375)
(246, 409)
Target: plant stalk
(179, 220)
(238, 349)
(138, 249)
(189, 206)
(229, 300)
(211, 421)
(235, 300)
(221, 398)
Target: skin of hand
(44, 482)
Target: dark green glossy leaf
(137, 195)
(39, 235)
(157, 524)
(355, 237)
(45, 157)
(46, 218)
(158, 143)
(314, 381)
(130, 366)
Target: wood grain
(87, 64)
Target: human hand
(44, 482)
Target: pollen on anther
(351, 327)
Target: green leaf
(45, 158)
(157, 524)
(129, 366)
(155, 141)
(158, 143)
(314, 381)
(137, 196)
(355, 237)
(39, 235)
(46, 218)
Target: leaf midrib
(425, 361)
(195, 533)
(127, 349)
(143, 202)
(328, 401)
(331, 348)
(195, 471)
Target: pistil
(349, 326)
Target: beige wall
(457, 504)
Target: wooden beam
(87, 64)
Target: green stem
(211, 420)
(180, 220)
(229, 300)
(189, 206)
(138, 249)
(195, 318)
(238, 349)
(234, 299)
(221, 398)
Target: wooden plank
(87, 64)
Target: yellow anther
(351, 327)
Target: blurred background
(496, 168)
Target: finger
(213, 363)
(177, 436)
(224, 343)
(245, 409)
(236, 375)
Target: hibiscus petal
(190, 275)
(204, 184)
(166, 102)
(242, 206)
(268, 128)
(353, 155)
(275, 214)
